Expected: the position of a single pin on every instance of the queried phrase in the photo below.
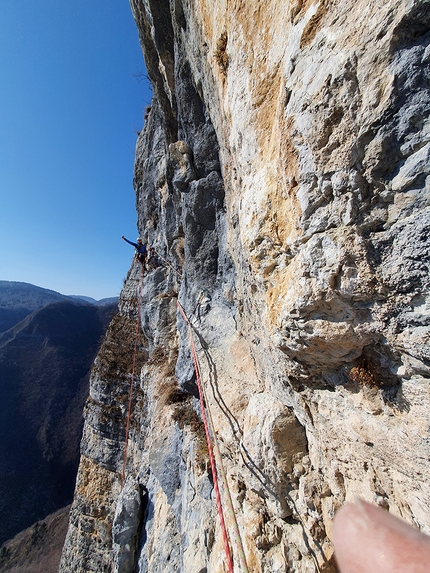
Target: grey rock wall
(283, 175)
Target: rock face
(283, 174)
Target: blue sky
(70, 107)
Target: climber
(140, 252)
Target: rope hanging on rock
(130, 393)
(222, 474)
(209, 443)
(204, 408)
(169, 264)
(230, 509)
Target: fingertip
(347, 538)
(367, 538)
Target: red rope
(208, 439)
(205, 422)
(130, 393)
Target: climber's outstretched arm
(129, 242)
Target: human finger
(368, 539)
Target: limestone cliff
(283, 170)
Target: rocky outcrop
(283, 175)
(37, 548)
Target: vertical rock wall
(283, 172)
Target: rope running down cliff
(209, 443)
(204, 408)
(169, 264)
(230, 509)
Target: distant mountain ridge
(19, 299)
(45, 361)
(18, 295)
(48, 342)
(90, 300)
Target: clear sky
(71, 104)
